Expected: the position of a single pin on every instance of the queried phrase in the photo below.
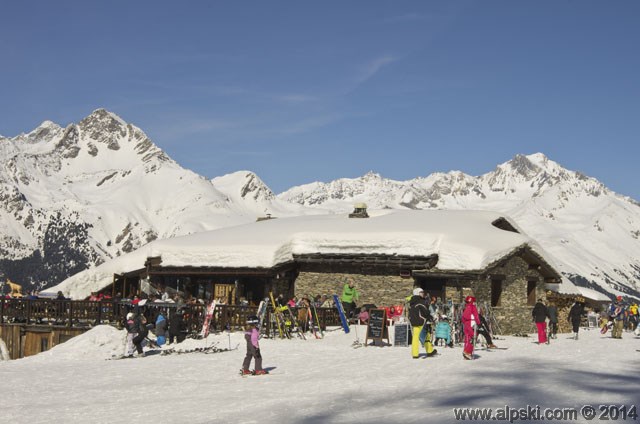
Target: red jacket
(469, 314)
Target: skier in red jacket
(470, 320)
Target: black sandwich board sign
(377, 326)
(401, 334)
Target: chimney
(359, 211)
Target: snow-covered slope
(74, 381)
(592, 232)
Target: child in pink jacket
(251, 335)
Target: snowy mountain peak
(244, 185)
(104, 127)
(73, 197)
(522, 165)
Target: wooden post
(70, 324)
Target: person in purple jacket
(251, 335)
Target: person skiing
(161, 329)
(470, 320)
(349, 296)
(575, 316)
(617, 315)
(552, 310)
(252, 335)
(420, 320)
(129, 325)
(539, 314)
(176, 327)
(443, 331)
(483, 330)
(140, 324)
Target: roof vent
(359, 211)
(265, 218)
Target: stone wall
(381, 290)
(513, 314)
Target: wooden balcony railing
(83, 314)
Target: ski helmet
(252, 319)
(417, 291)
(130, 315)
(469, 299)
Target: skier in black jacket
(540, 314)
(575, 316)
(420, 320)
(176, 327)
(140, 324)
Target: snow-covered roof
(564, 287)
(593, 295)
(462, 239)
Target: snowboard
(606, 327)
(207, 320)
(262, 313)
(343, 317)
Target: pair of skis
(281, 322)
(279, 319)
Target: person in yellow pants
(420, 320)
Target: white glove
(473, 323)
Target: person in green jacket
(349, 296)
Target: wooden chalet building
(448, 253)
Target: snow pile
(101, 342)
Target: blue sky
(301, 91)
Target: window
(44, 343)
(496, 293)
(531, 293)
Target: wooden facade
(26, 340)
(28, 327)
